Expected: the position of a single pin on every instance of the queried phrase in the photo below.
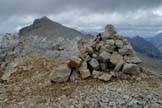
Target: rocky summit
(45, 68)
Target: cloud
(134, 16)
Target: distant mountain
(157, 41)
(48, 28)
(46, 38)
(141, 45)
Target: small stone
(110, 42)
(89, 50)
(74, 62)
(94, 55)
(110, 29)
(84, 71)
(94, 64)
(119, 43)
(105, 77)
(104, 67)
(107, 48)
(60, 74)
(96, 74)
(105, 56)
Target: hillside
(105, 74)
(141, 45)
(155, 65)
(54, 71)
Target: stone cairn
(109, 55)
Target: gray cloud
(84, 15)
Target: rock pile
(107, 55)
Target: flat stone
(107, 48)
(110, 42)
(134, 60)
(60, 74)
(105, 77)
(126, 50)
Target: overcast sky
(131, 17)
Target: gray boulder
(104, 56)
(60, 74)
(131, 69)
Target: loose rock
(84, 71)
(105, 77)
(60, 74)
(74, 62)
(94, 64)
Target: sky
(130, 17)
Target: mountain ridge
(156, 41)
(143, 46)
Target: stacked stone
(108, 55)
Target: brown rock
(74, 62)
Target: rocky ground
(29, 87)
(103, 72)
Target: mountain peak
(44, 21)
(46, 27)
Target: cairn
(107, 55)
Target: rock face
(107, 55)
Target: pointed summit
(47, 28)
